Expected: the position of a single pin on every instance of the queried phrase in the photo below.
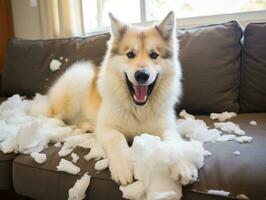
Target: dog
(133, 92)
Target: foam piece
(229, 127)
(253, 123)
(242, 196)
(237, 153)
(186, 115)
(78, 191)
(71, 142)
(74, 157)
(96, 152)
(55, 65)
(207, 153)
(67, 166)
(197, 130)
(101, 164)
(225, 138)
(244, 139)
(222, 116)
(219, 192)
(39, 157)
(58, 144)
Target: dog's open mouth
(140, 92)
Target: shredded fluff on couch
(27, 128)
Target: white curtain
(61, 18)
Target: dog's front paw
(121, 168)
(184, 172)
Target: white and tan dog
(134, 92)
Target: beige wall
(26, 19)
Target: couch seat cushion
(6, 170)
(222, 170)
(45, 182)
(243, 174)
(6, 166)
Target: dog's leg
(183, 171)
(117, 149)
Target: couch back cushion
(253, 69)
(28, 70)
(210, 57)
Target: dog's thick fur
(75, 97)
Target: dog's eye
(153, 55)
(131, 55)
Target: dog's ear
(167, 26)
(118, 28)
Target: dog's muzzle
(140, 92)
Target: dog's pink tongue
(141, 92)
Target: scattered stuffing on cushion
(160, 167)
(78, 191)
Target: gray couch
(224, 69)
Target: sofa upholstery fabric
(207, 53)
(210, 57)
(244, 174)
(6, 166)
(253, 71)
(6, 161)
(30, 61)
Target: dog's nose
(142, 76)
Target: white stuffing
(24, 133)
(242, 196)
(66, 59)
(133, 191)
(222, 116)
(55, 65)
(78, 191)
(58, 144)
(225, 138)
(101, 164)
(229, 127)
(186, 115)
(253, 123)
(96, 153)
(207, 153)
(237, 153)
(74, 157)
(71, 142)
(39, 157)
(197, 130)
(61, 58)
(219, 192)
(67, 166)
(158, 165)
(244, 139)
